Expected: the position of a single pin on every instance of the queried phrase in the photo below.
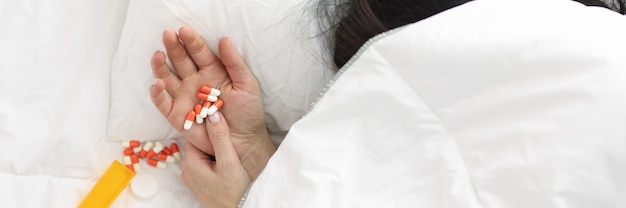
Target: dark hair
(350, 23)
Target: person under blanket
(237, 136)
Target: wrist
(255, 159)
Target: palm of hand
(196, 65)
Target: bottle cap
(145, 184)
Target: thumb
(219, 134)
(235, 66)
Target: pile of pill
(212, 103)
(155, 152)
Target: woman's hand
(196, 65)
(219, 183)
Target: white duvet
(490, 104)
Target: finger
(200, 53)
(159, 99)
(161, 70)
(219, 134)
(195, 164)
(235, 66)
(198, 139)
(195, 156)
(177, 54)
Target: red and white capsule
(191, 116)
(205, 109)
(127, 160)
(131, 143)
(167, 151)
(176, 152)
(150, 154)
(158, 147)
(210, 91)
(216, 106)
(156, 163)
(164, 157)
(134, 158)
(129, 151)
(146, 148)
(206, 97)
(136, 167)
(198, 109)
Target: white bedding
(503, 145)
(55, 59)
(479, 106)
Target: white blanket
(491, 104)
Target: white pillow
(276, 39)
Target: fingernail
(154, 82)
(216, 117)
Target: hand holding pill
(219, 183)
(199, 76)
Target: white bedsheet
(55, 59)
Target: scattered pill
(198, 110)
(210, 91)
(150, 153)
(155, 163)
(189, 120)
(156, 153)
(176, 152)
(158, 147)
(167, 151)
(164, 157)
(129, 151)
(216, 106)
(146, 147)
(131, 143)
(206, 97)
(205, 109)
(136, 167)
(134, 158)
(127, 160)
